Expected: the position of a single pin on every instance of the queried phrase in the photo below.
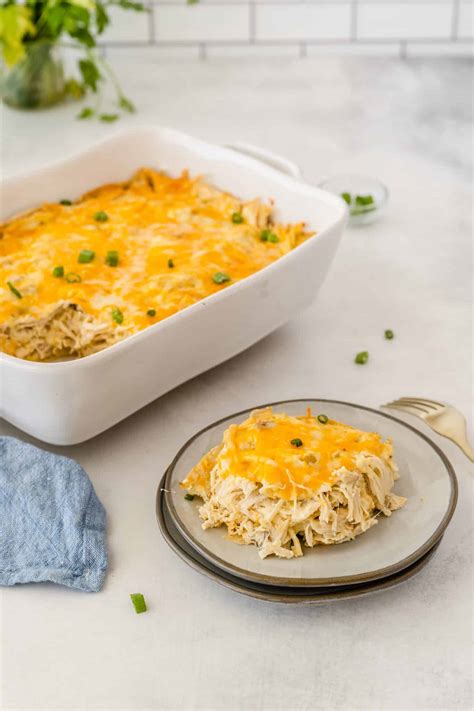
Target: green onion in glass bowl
(366, 197)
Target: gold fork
(443, 419)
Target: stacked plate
(391, 552)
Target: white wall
(214, 28)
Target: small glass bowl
(362, 211)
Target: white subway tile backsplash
(404, 20)
(127, 26)
(295, 28)
(300, 21)
(466, 19)
(202, 23)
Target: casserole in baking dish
(70, 401)
(76, 277)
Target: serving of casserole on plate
(188, 310)
(288, 483)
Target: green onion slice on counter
(362, 357)
(389, 334)
(138, 602)
(189, 497)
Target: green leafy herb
(86, 256)
(65, 202)
(389, 334)
(101, 216)
(138, 602)
(269, 236)
(86, 113)
(220, 278)
(58, 272)
(364, 200)
(108, 118)
(189, 497)
(346, 197)
(112, 258)
(297, 442)
(362, 357)
(151, 312)
(126, 105)
(170, 264)
(323, 419)
(72, 278)
(14, 290)
(237, 218)
(117, 315)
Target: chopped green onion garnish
(323, 419)
(101, 216)
(364, 200)
(296, 442)
(189, 497)
(86, 256)
(14, 290)
(138, 602)
(362, 357)
(237, 218)
(58, 272)
(117, 315)
(220, 278)
(389, 334)
(346, 197)
(72, 278)
(170, 264)
(112, 258)
(151, 312)
(269, 236)
(65, 202)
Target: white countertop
(201, 646)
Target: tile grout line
(455, 19)
(151, 23)
(252, 21)
(354, 17)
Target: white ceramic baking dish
(69, 402)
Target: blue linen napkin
(52, 525)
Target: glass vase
(37, 80)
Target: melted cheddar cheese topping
(293, 456)
(171, 237)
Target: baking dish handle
(264, 156)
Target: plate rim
(315, 582)
(306, 598)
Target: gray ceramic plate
(395, 543)
(270, 593)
